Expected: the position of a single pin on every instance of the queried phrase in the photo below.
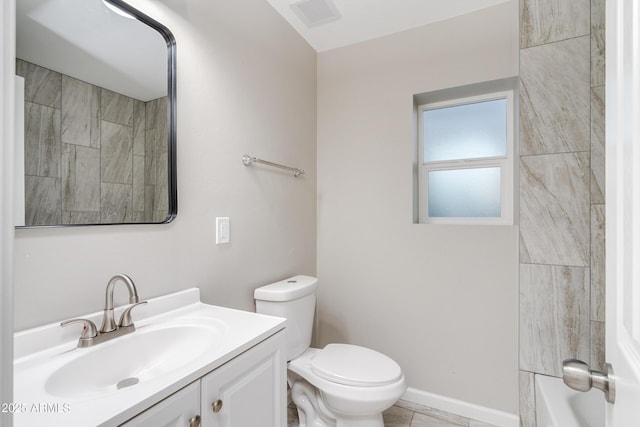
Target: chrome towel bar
(248, 161)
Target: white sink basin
(177, 340)
(131, 359)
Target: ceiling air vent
(315, 12)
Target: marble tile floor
(407, 414)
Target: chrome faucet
(108, 324)
(90, 335)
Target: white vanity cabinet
(181, 409)
(247, 391)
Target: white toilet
(341, 385)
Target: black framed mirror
(96, 86)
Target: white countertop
(40, 351)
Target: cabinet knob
(217, 406)
(194, 421)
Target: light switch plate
(222, 230)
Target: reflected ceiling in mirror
(97, 93)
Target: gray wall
(246, 85)
(561, 189)
(92, 155)
(440, 300)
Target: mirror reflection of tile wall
(91, 155)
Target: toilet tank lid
(288, 289)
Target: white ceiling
(368, 19)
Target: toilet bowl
(341, 385)
(351, 395)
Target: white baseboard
(458, 407)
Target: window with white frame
(465, 160)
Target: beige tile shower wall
(92, 154)
(546, 21)
(561, 188)
(554, 310)
(554, 209)
(555, 97)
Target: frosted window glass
(466, 131)
(465, 193)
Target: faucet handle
(125, 318)
(88, 327)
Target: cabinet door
(178, 410)
(250, 390)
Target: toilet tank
(294, 299)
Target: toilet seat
(356, 366)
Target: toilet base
(312, 412)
